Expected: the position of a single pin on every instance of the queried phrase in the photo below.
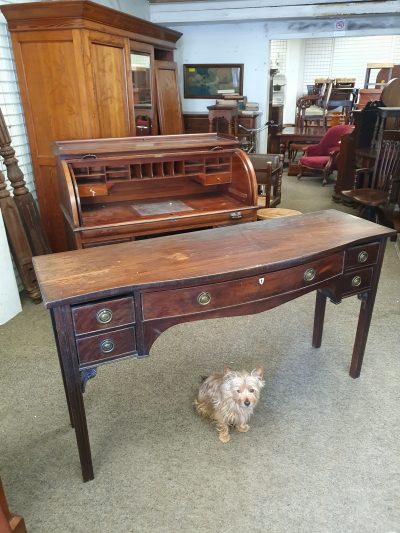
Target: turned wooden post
(18, 241)
(24, 201)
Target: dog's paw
(243, 428)
(224, 437)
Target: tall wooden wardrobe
(85, 71)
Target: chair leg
(367, 212)
(299, 175)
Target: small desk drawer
(357, 281)
(103, 315)
(203, 298)
(106, 345)
(361, 256)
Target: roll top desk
(116, 190)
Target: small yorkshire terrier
(229, 398)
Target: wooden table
(280, 140)
(112, 302)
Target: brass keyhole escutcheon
(362, 256)
(107, 346)
(309, 274)
(204, 298)
(356, 281)
(104, 316)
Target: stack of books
(250, 108)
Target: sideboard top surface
(203, 256)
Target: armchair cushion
(317, 161)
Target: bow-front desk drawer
(106, 346)
(103, 315)
(360, 256)
(169, 303)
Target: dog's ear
(258, 372)
(227, 369)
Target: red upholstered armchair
(322, 157)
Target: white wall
(227, 43)
(10, 304)
(137, 8)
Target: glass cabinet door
(142, 91)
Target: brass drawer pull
(104, 316)
(107, 346)
(362, 256)
(236, 215)
(204, 298)
(309, 274)
(356, 281)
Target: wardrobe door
(168, 101)
(109, 85)
(50, 73)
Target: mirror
(141, 79)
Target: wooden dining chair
(312, 110)
(374, 189)
(268, 169)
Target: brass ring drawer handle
(309, 274)
(356, 281)
(104, 316)
(204, 298)
(362, 256)
(107, 346)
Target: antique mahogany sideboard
(115, 190)
(112, 302)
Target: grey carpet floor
(322, 454)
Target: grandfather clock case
(85, 71)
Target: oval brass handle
(107, 346)
(236, 215)
(204, 298)
(362, 256)
(356, 281)
(309, 274)
(104, 316)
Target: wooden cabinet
(74, 67)
(116, 190)
(199, 123)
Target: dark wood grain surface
(222, 253)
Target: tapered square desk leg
(319, 317)
(364, 319)
(72, 382)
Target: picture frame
(212, 80)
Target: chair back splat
(268, 169)
(377, 190)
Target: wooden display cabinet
(199, 123)
(116, 190)
(73, 60)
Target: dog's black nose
(247, 403)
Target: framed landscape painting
(212, 81)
